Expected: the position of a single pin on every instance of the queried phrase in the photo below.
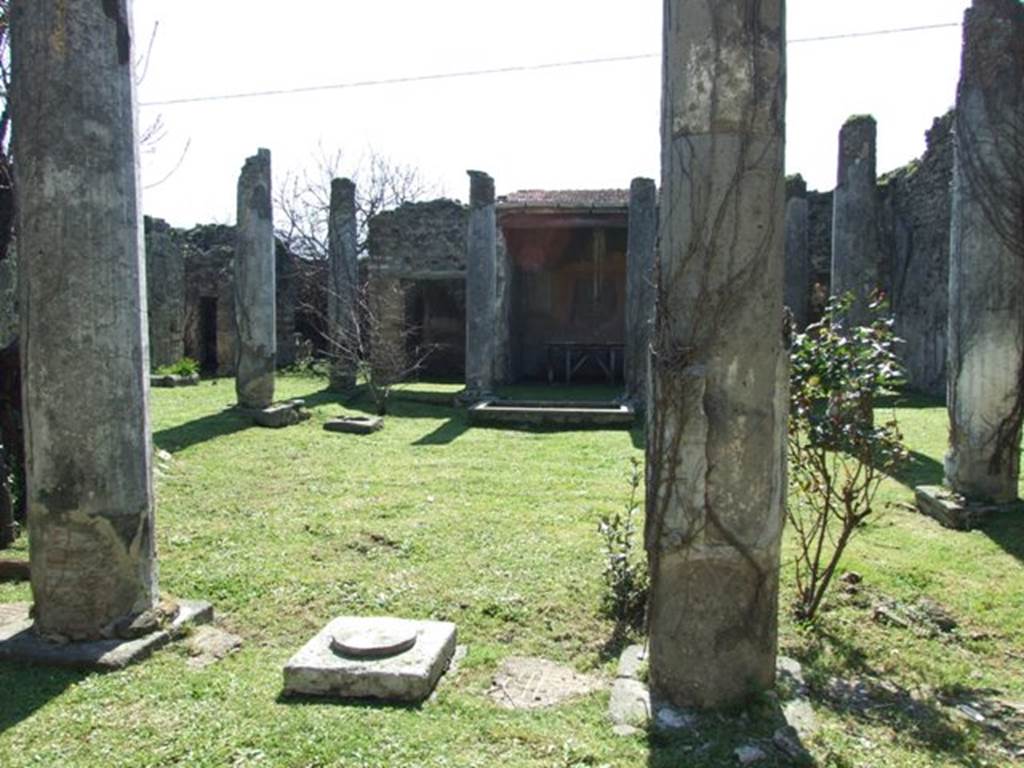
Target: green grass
(495, 530)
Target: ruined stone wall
(819, 217)
(420, 240)
(189, 270)
(915, 238)
(8, 297)
(165, 285)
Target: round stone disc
(373, 640)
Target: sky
(583, 127)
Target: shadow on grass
(227, 422)
(919, 470)
(303, 700)
(28, 688)
(446, 433)
(1006, 528)
(852, 687)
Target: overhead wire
(505, 70)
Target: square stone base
(316, 670)
(952, 510)
(355, 425)
(19, 643)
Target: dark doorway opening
(208, 335)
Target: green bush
(184, 367)
(625, 570)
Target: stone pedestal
(717, 426)
(255, 289)
(955, 511)
(481, 287)
(640, 294)
(339, 663)
(986, 276)
(343, 290)
(84, 357)
(855, 250)
(798, 253)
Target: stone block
(20, 644)
(279, 415)
(355, 425)
(409, 676)
(173, 380)
(953, 510)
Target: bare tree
(303, 199)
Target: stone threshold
(19, 643)
(562, 413)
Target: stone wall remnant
(165, 285)
(640, 254)
(986, 279)
(855, 252)
(716, 426)
(255, 311)
(83, 317)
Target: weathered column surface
(798, 252)
(715, 458)
(481, 285)
(255, 289)
(343, 292)
(855, 251)
(83, 307)
(986, 276)
(640, 248)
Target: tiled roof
(565, 198)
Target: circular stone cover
(373, 639)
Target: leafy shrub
(625, 570)
(838, 456)
(184, 367)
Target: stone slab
(317, 670)
(355, 425)
(19, 643)
(632, 661)
(954, 511)
(524, 682)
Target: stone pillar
(798, 252)
(83, 315)
(165, 292)
(481, 286)
(855, 259)
(255, 290)
(986, 276)
(717, 427)
(343, 285)
(640, 251)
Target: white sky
(584, 127)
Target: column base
(19, 643)
(279, 414)
(954, 511)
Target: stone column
(986, 276)
(343, 285)
(716, 437)
(798, 252)
(481, 286)
(83, 315)
(255, 290)
(640, 248)
(855, 260)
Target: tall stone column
(343, 292)
(83, 315)
(641, 240)
(798, 252)
(255, 289)
(481, 286)
(855, 250)
(165, 292)
(986, 276)
(716, 437)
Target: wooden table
(570, 356)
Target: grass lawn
(496, 531)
